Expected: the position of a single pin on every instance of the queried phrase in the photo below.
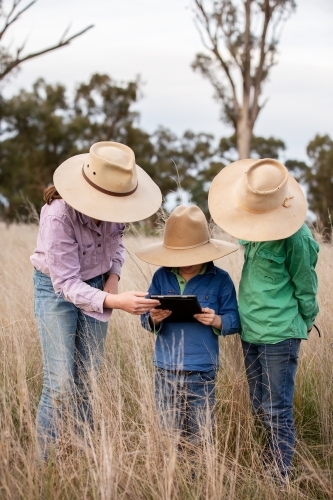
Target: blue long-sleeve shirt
(194, 346)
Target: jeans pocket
(43, 284)
(209, 376)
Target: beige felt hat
(186, 241)
(106, 184)
(257, 200)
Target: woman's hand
(209, 318)
(132, 302)
(158, 315)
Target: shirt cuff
(217, 331)
(98, 300)
(226, 325)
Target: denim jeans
(185, 402)
(72, 347)
(271, 371)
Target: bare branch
(17, 61)
(63, 37)
(228, 74)
(247, 55)
(228, 34)
(268, 12)
(214, 49)
(8, 21)
(203, 41)
(279, 22)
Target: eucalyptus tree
(241, 39)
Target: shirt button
(253, 244)
(207, 297)
(99, 245)
(84, 253)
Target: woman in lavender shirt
(77, 263)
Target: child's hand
(158, 315)
(209, 318)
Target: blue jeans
(72, 347)
(185, 402)
(271, 371)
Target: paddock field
(127, 457)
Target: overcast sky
(158, 40)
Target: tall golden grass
(127, 456)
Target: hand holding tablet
(182, 307)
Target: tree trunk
(244, 136)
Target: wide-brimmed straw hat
(257, 200)
(106, 184)
(186, 241)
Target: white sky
(158, 40)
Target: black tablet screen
(183, 307)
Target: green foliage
(267, 148)
(103, 108)
(42, 128)
(260, 147)
(318, 178)
(184, 163)
(35, 139)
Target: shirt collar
(84, 219)
(87, 221)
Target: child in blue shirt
(186, 354)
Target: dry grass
(127, 457)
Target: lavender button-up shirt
(72, 249)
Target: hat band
(283, 204)
(105, 191)
(186, 248)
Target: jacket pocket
(87, 256)
(269, 267)
(207, 300)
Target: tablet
(182, 306)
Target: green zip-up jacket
(278, 287)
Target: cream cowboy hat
(257, 200)
(106, 184)
(186, 241)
